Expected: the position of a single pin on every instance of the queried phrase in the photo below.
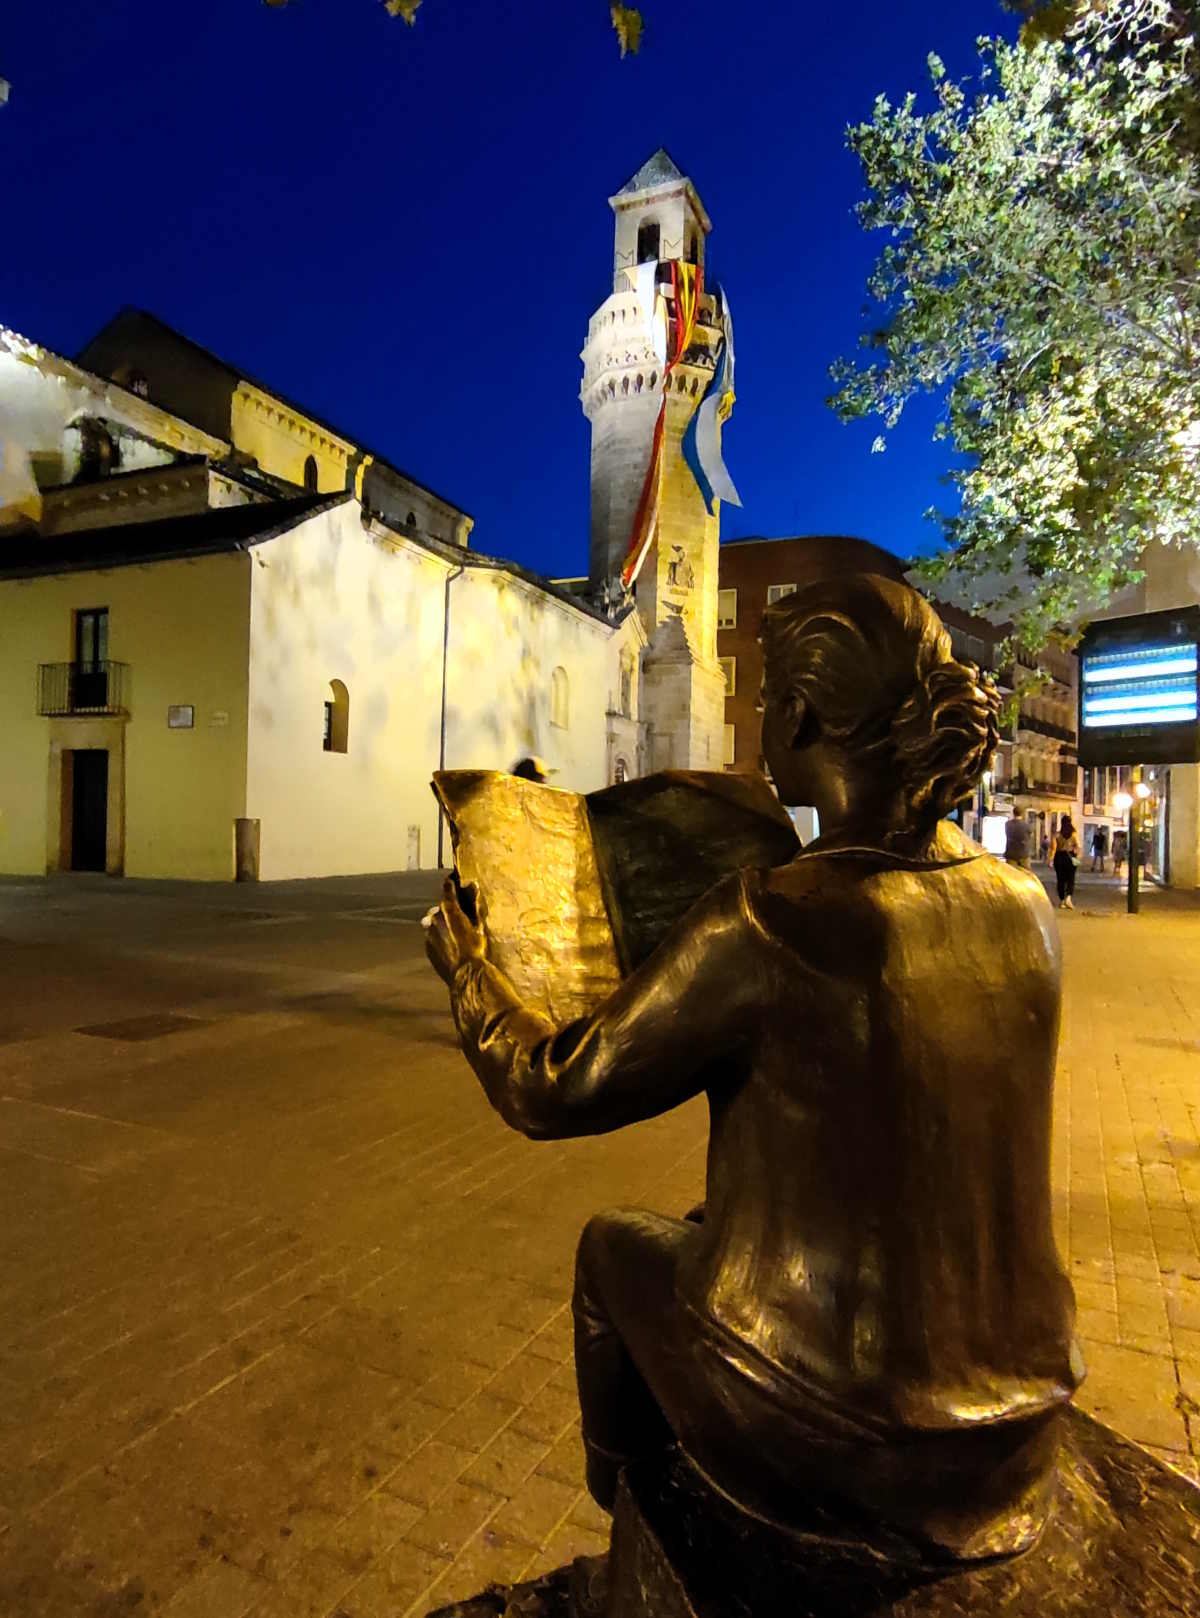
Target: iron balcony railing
(83, 688)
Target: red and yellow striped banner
(687, 284)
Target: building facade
(1170, 817)
(208, 648)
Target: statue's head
(862, 666)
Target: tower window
(310, 474)
(647, 242)
(692, 248)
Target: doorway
(89, 809)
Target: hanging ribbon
(687, 284)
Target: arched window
(647, 243)
(310, 474)
(411, 520)
(560, 699)
(620, 772)
(337, 718)
(626, 688)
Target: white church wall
(506, 640)
(334, 602)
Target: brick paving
(284, 1330)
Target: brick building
(753, 572)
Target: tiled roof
(661, 169)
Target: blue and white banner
(702, 439)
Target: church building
(234, 640)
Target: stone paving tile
(456, 1514)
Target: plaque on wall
(181, 716)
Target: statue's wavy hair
(872, 662)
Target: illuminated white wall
(506, 640)
(332, 601)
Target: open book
(577, 891)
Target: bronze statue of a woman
(870, 1316)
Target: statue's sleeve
(693, 1004)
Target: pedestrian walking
(1099, 847)
(1066, 859)
(1018, 841)
(1045, 849)
(1120, 847)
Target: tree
(626, 21)
(1041, 272)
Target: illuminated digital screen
(1139, 685)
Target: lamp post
(1131, 803)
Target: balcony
(1064, 787)
(1043, 727)
(83, 688)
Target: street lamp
(1128, 803)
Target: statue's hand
(451, 937)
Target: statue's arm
(692, 1004)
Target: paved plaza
(285, 1328)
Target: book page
(527, 849)
(663, 841)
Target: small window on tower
(647, 244)
(310, 474)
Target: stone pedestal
(1124, 1542)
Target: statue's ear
(801, 721)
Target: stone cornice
(294, 423)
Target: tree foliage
(1041, 273)
(625, 19)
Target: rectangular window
(91, 636)
(726, 609)
(776, 592)
(327, 743)
(729, 670)
(730, 741)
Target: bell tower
(657, 387)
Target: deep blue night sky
(407, 229)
